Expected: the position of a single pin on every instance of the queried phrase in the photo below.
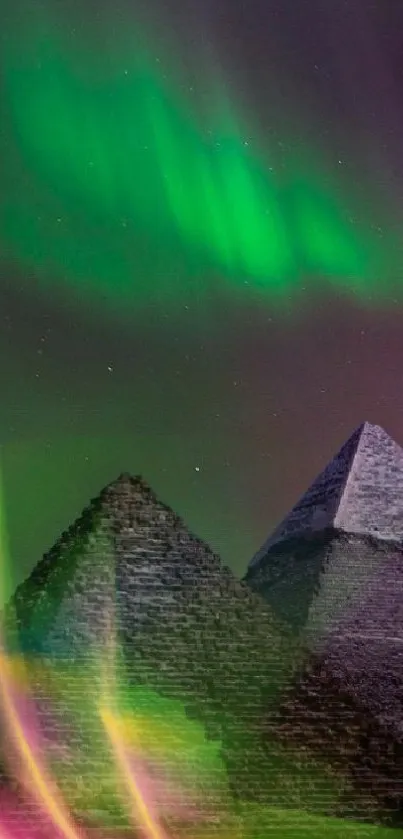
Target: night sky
(201, 254)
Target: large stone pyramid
(318, 561)
(359, 491)
(334, 570)
(185, 627)
(131, 555)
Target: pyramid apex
(126, 483)
(359, 491)
(366, 425)
(127, 478)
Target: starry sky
(200, 249)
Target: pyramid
(131, 553)
(334, 571)
(186, 628)
(359, 491)
(316, 563)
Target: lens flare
(33, 774)
(142, 808)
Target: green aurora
(124, 185)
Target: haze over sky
(201, 254)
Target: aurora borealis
(201, 255)
(115, 144)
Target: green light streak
(119, 186)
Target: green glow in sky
(122, 183)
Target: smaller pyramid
(359, 492)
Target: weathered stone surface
(312, 583)
(184, 624)
(312, 571)
(360, 491)
(328, 714)
(338, 582)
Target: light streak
(40, 785)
